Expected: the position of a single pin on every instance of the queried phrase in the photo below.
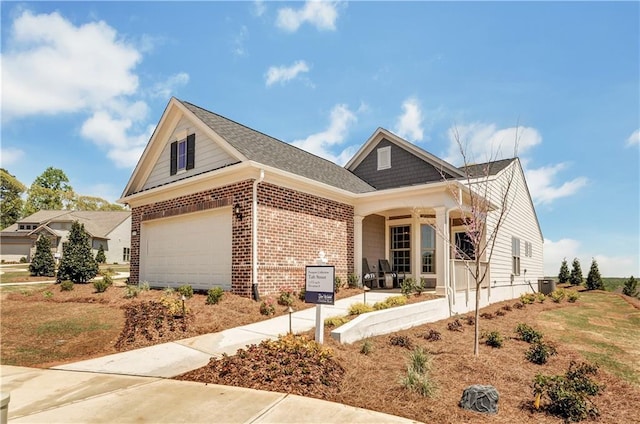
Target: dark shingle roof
(487, 168)
(269, 151)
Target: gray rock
(480, 398)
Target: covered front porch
(420, 234)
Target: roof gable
(96, 223)
(408, 164)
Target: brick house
(204, 180)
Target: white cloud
(284, 74)
(9, 156)
(51, 66)
(540, 182)
(609, 266)
(239, 48)
(321, 14)
(634, 139)
(320, 143)
(409, 124)
(259, 8)
(164, 89)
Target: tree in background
(78, 202)
(630, 287)
(49, 191)
(563, 276)
(11, 202)
(576, 273)
(594, 281)
(100, 257)
(78, 263)
(42, 263)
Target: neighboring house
(215, 203)
(111, 229)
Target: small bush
(558, 295)
(359, 308)
(402, 341)
(185, 290)
(568, 396)
(433, 335)
(418, 379)
(390, 302)
(420, 286)
(131, 291)
(102, 284)
(539, 352)
(455, 325)
(572, 296)
(494, 339)
(407, 286)
(507, 308)
(174, 303)
(337, 284)
(214, 295)
(144, 286)
(302, 293)
(286, 298)
(267, 307)
(353, 281)
(66, 285)
(630, 287)
(470, 319)
(48, 294)
(487, 315)
(367, 347)
(527, 298)
(500, 313)
(540, 297)
(335, 321)
(23, 260)
(527, 333)
(518, 305)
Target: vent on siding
(384, 158)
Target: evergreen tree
(594, 281)
(42, 263)
(576, 273)
(78, 263)
(630, 287)
(100, 256)
(563, 276)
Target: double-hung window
(515, 256)
(126, 254)
(401, 248)
(464, 247)
(428, 242)
(183, 154)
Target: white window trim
(384, 158)
(179, 169)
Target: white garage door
(190, 249)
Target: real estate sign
(319, 284)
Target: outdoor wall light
(237, 211)
(134, 233)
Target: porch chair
(390, 277)
(367, 275)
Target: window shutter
(174, 158)
(191, 151)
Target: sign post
(319, 289)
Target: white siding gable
(209, 156)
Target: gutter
(254, 235)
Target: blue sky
(84, 84)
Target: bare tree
(484, 208)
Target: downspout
(447, 269)
(254, 231)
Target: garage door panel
(190, 249)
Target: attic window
(183, 154)
(384, 158)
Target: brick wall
(293, 228)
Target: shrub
(102, 284)
(185, 290)
(573, 296)
(563, 275)
(337, 284)
(390, 302)
(558, 295)
(359, 308)
(78, 263)
(400, 340)
(594, 280)
(433, 335)
(455, 325)
(23, 260)
(144, 286)
(66, 285)
(48, 294)
(302, 293)
(470, 319)
(131, 291)
(100, 256)
(540, 297)
(407, 286)
(528, 334)
(487, 315)
(418, 379)
(267, 307)
(214, 295)
(518, 305)
(353, 281)
(527, 298)
(539, 352)
(568, 396)
(335, 321)
(507, 308)
(174, 303)
(367, 347)
(575, 278)
(286, 298)
(630, 287)
(500, 313)
(42, 263)
(494, 339)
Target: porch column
(357, 245)
(416, 247)
(442, 250)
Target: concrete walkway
(133, 386)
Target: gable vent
(384, 158)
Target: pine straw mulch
(372, 381)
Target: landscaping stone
(480, 398)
